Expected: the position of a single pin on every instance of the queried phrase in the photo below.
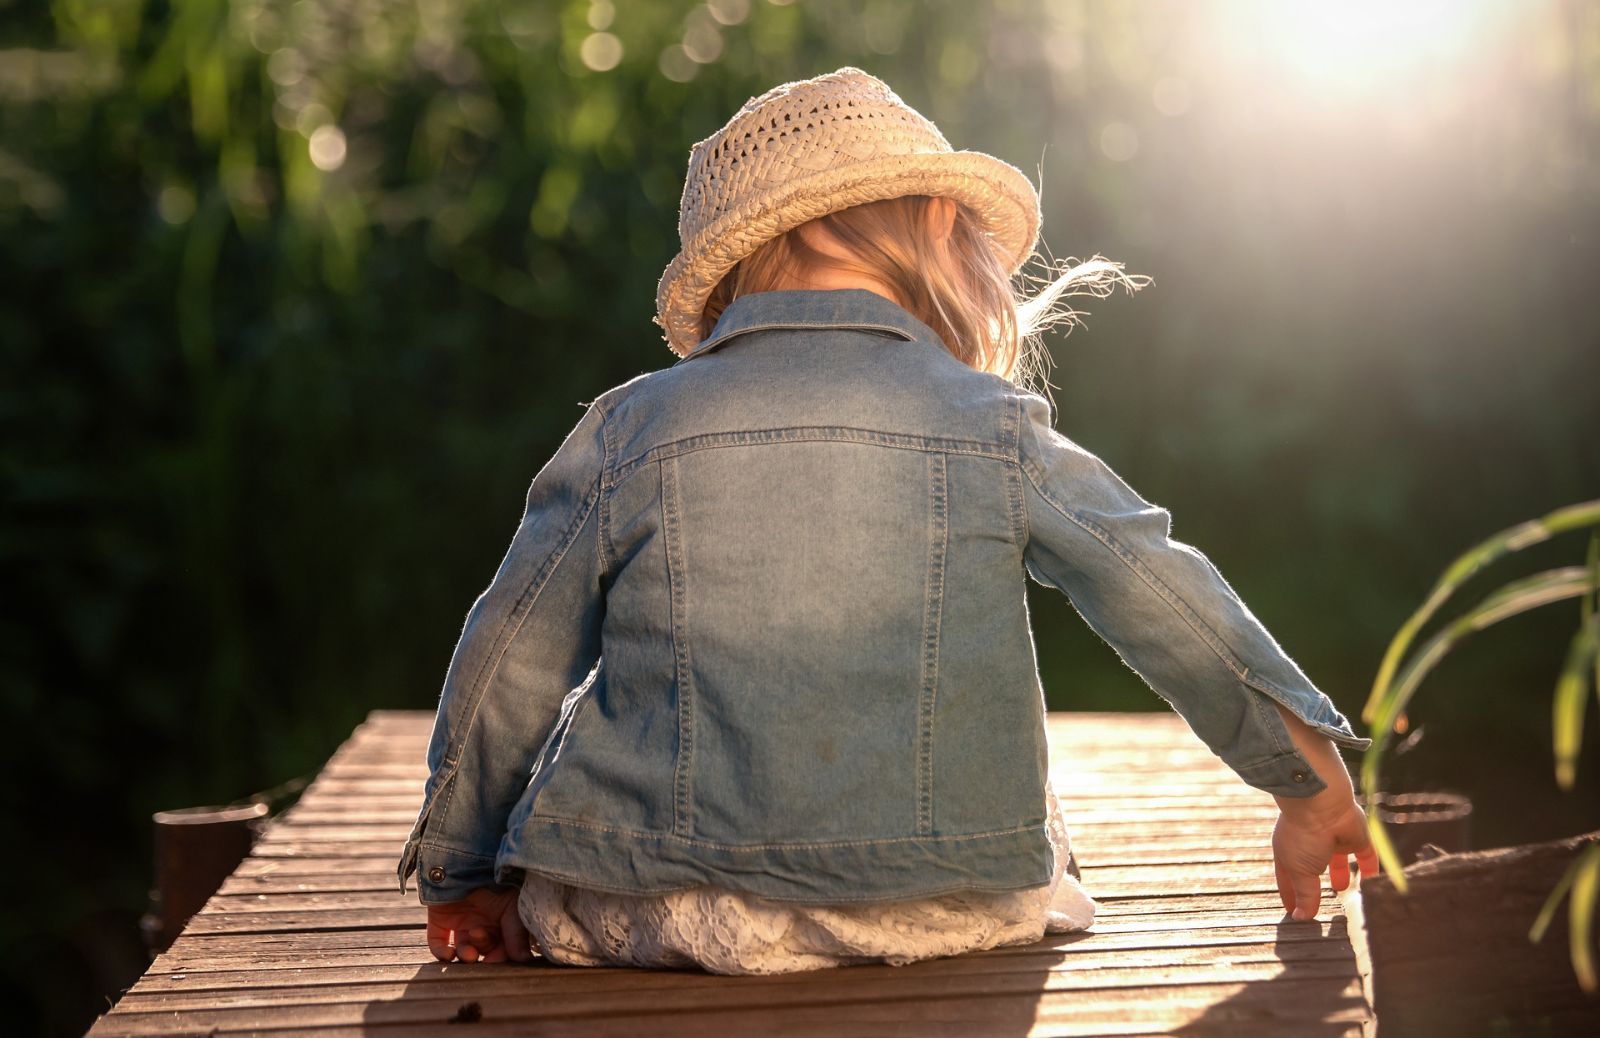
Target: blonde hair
(963, 292)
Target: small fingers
(1367, 861)
(1307, 894)
(516, 940)
(441, 942)
(1339, 871)
(1285, 888)
(482, 945)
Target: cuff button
(436, 874)
(1298, 776)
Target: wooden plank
(233, 967)
(1109, 1011)
(311, 935)
(565, 995)
(199, 954)
(843, 1022)
(411, 914)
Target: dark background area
(296, 298)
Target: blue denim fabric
(800, 553)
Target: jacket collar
(813, 308)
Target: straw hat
(812, 147)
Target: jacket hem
(650, 863)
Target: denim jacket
(763, 625)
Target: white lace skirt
(724, 931)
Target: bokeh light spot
(327, 148)
(601, 51)
(702, 40)
(312, 116)
(958, 63)
(601, 14)
(264, 32)
(1119, 141)
(729, 12)
(175, 203)
(676, 64)
(285, 66)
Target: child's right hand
(1313, 834)
(1320, 831)
(482, 927)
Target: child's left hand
(482, 927)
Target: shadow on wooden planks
(1073, 984)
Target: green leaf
(1547, 912)
(1571, 700)
(1582, 878)
(1591, 604)
(1515, 538)
(1519, 596)
(1585, 893)
(1387, 855)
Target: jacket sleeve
(529, 639)
(1167, 611)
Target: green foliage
(1399, 676)
(1390, 696)
(1582, 882)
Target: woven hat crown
(794, 130)
(804, 149)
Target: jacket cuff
(1342, 735)
(1316, 710)
(445, 874)
(1286, 775)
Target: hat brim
(1003, 199)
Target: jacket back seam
(678, 623)
(933, 610)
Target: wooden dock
(310, 934)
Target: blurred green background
(295, 298)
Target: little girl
(754, 687)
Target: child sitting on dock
(754, 687)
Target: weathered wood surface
(311, 935)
